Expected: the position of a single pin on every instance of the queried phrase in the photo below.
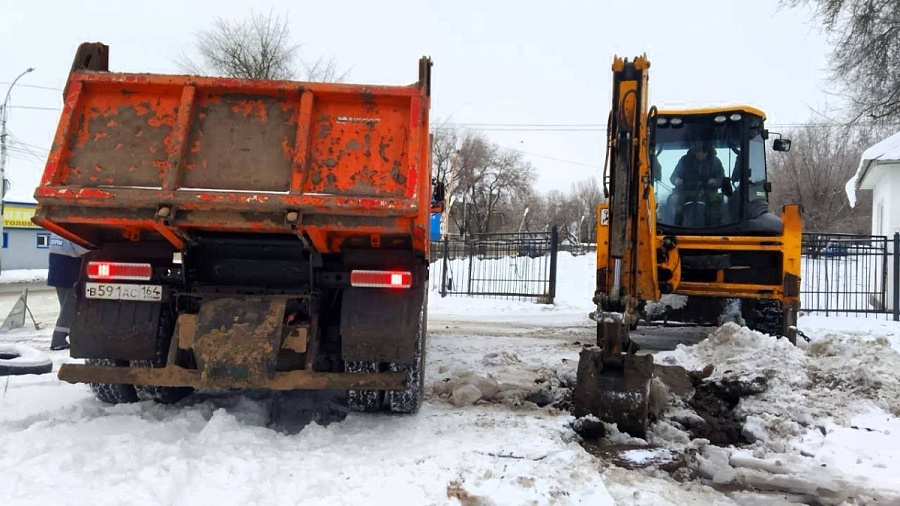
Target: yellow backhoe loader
(687, 213)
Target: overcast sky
(538, 63)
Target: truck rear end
(244, 233)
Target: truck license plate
(117, 291)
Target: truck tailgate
(234, 154)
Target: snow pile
(505, 380)
(23, 276)
(59, 442)
(860, 327)
(796, 429)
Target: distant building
(879, 171)
(25, 245)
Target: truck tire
(16, 359)
(410, 400)
(162, 395)
(764, 315)
(365, 401)
(112, 394)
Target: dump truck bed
(162, 155)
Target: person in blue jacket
(65, 265)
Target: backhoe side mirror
(781, 145)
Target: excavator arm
(633, 264)
(628, 276)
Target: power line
(552, 158)
(539, 125)
(23, 148)
(522, 127)
(22, 151)
(597, 128)
(23, 143)
(33, 86)
(35, 108)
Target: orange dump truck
(252, 234)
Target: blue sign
(435, 226)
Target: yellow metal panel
(793, 237)
(602, 241)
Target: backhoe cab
(687, 214)
(709, 172)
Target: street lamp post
(4, 113)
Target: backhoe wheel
(368, 401)
(764, 315)
(109, 393)
(410, 399)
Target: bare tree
(866, 52)
(445, 142)
(815, 172)
(536, 220)
(256, 47)
(492, 188)
(491, 176)
(586, 195)
(491, 183)
(563, 211)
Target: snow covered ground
(826, 426)
(23, 275)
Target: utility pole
(4, 114)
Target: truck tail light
(381, 279)
(119, 270)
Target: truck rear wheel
(110, 393)
(162, 395)
(366, 401)
(410, 400)
(396, 401)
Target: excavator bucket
(614, 393)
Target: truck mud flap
(379, 325)
(115, 329)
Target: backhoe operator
(698, 177)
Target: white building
(25, 245)
(879, 171)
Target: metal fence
(850, 274)
(515, 265)
(841, 273)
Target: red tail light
(119, 270)
(381, 279)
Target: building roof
(886, 151)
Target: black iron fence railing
(510, 265)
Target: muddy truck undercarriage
(244, 234)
